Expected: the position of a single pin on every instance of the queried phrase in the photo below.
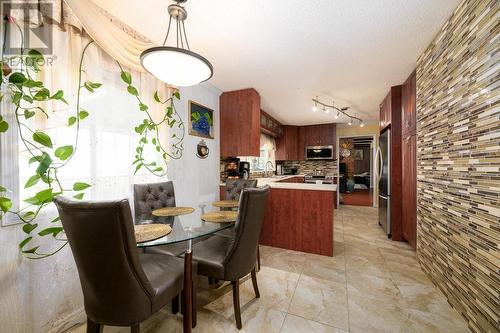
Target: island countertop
(277, 182)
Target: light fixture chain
(168, 31)
(185, 36)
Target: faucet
(272, 167)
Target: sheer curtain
(107, 139)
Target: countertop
(274, 182)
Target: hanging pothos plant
(27, 94)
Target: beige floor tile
(367, 266)
(295, 324)
(285, 260)
(374, 287)
(368, 315)
(327, 306)
(440, 321)
(322, 277)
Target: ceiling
(290, 51)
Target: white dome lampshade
(176, 66)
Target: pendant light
(177, 65)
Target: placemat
(172, 211)
(226, 203)
(220, 217)
(149, 232)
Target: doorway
(356, 164)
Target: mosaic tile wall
(458, 162)
(327, 167)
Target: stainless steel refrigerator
(383, 165)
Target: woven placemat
(149, 232)
(220, 217)
(226, 203)
(172, 211)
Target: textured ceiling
(291, 51)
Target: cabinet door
(286, 145)
(409, 100)
(327, 134)
(312, 135)
(409, 182)
(382, 115)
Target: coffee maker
(245, 170)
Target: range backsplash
(327, 167)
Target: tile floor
(370, 285)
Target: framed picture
(358, 154)
(201, 120)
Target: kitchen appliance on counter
(319, 179)
(319, 153)
(383, 174)
(245, 170)
(279, 169)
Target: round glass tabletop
(184, 227)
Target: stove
(321, 179)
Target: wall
(347, 143)
(45, 295)
(458, 159)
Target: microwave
(319, 153)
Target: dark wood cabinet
(240, 123)
(269, 125)
(386, 112)
(409, 205)
(409, 160)
(287, 144)
(409, 98)
(316, 135)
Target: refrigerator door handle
(377, 162)
(381, 159)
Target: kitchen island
(299, 216)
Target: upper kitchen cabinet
(409, 98)
(390, 108)
(269, 125)
(318, 135)
(240, 123)
(287, 144)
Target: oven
(319, 153)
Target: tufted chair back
(148, 197)
(235, 186)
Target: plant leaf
(28, 227)
(42, 139)
(5, 204)
(71, 121)
(157, 97)
(64, 152)
(28, 114)
(57, 219)
(143, 107)
(177, 95)
(132, 90)
(126, 77)
(83, 114)
(4, 126)
(3, 189)
(138, 167)
(32, 181)
(50, 231)
(45, 162)
(78, 196)
(24, 242)
(17, 78)
(79, 186)
(58, 95)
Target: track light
(327, 111)
(337, 115)
(350, 122)
(361, 124)
(315, 108)
(327, 108)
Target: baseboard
(75, 318)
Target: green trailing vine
(27, 94)
(149, 130)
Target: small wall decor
(202, 150)
(358, 154)
(201, 120)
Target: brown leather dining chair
(149, 197)
(231, 259)
(121, 287)
(233, 192)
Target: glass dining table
(185, 228)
